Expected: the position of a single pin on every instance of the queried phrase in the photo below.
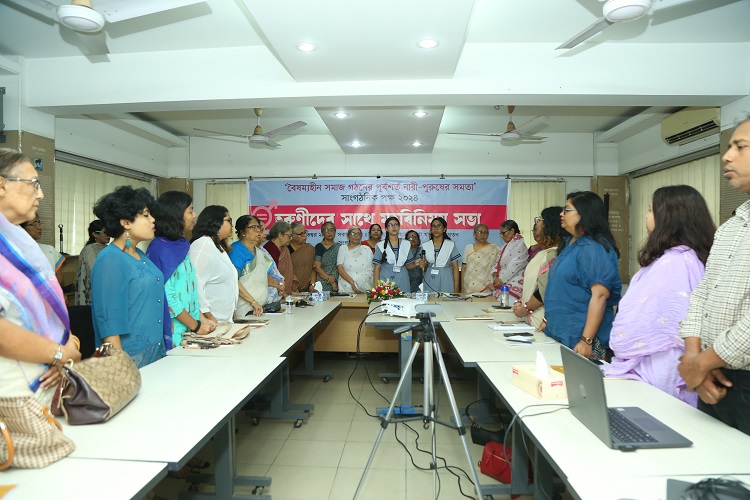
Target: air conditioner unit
(690, 124)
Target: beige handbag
(32, 438)
(97, 388)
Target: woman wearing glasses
(416, 276)
(354, 264)
(33, 318)
(479, 258)
(255, 267)
(279, 237)
(303, 258)
(127, 302)
(326, 255)
(392, 256)
(584, 283)
(96, 243)
(218, 289)
(547, 232)
(646, 331)
(508, 270)
(441, 266)
(55, 258)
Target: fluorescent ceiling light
(341, 114)
(307, 46)
(420, 114)
(356, 144)
(427, 43)
(416, 144)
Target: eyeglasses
(37, 183)
(288, 235)
(303, 233)
(506, 231)
(355, 233)
(254, 227)
(436, 226)
(229, 220)
(329, 230)
(483, 233)
(568, 209)
(537, 219)
(394, 224)
(101, 231)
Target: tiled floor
(325, 458)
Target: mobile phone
(424, 255)
(518, 334)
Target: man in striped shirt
(716, 363)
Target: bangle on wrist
(197, 326)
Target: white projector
(405, 308)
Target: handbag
(480, 435)
(96, 389)
(496, 460)
(32, 438)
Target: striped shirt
(719, 310)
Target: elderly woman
(415, 261)
(303, 258)
(96, 243)
(34, 321)
(584, 283)
(646, 332)
(279, 237)
(392, 256)
(257, 272)
(354, 264)
(216, 276)
(169, 252)
(508, 270)
(128, 289)
(55, 258)
(374, 235)
(326, 255)
(441, 266)
(479, 257)
(547, 232)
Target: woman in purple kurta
(645, 334)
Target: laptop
(625, 429)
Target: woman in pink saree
(645, 334)
(509, 268)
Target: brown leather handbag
(96, 389)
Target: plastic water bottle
(289, 304)
(505, 296)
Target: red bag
(494, 463)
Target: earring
(127, 240)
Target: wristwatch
(587, 340)
(57, 356)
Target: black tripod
(425, 335)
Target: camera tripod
(427, 337)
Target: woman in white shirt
(218, 288)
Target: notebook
(626, 429)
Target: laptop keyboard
(625, 431)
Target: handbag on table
(96, 389)
(31, 437)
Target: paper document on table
(231, 331)
(516, 340)
(500, 310)
(480, 317)
(503, 326)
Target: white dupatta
(443, 256)
(390, 255)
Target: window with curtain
(232, 195)
(528, 199)
(703, 174)
(77, 188)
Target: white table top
(642, 488)
(276, 339)
(474, 342)
(182, 402)
(717, 448)
(85, 479)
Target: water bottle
(505, 296)
(289, 304)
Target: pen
(520, 341)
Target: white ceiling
(492, 53)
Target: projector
(405, 308)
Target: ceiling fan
(620, 11)
(258, 137)
(512, 134)
(88, 22)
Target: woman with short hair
(584, 282)
(303, 258)
(279, 237)
(256, 269)
(326, 254)
(646, 331)
(97, 241)
(508, 270)
(354, 264)
(127, 288)
(416, 276)
(479, 257)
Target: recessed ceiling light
(420, 114)
(307, 46)
(356, 144)
(416, 144)
(427, 43)
(341, 114)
